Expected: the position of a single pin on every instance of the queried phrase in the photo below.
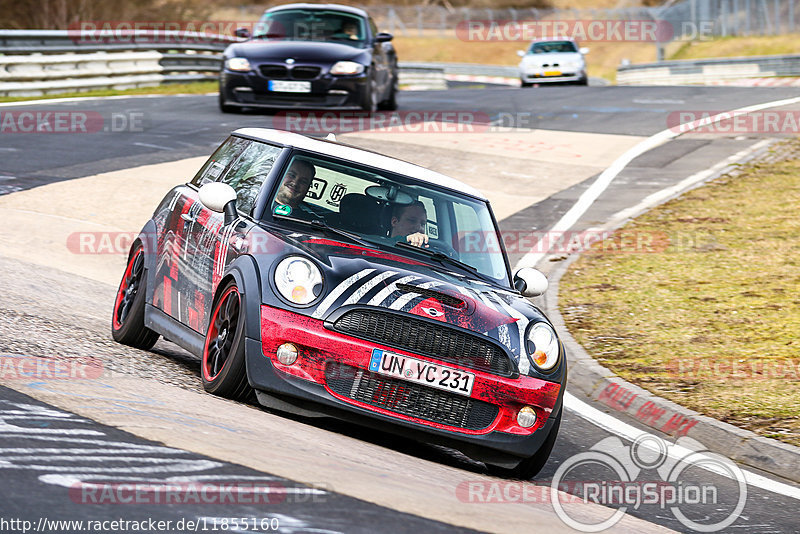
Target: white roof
(366, 157)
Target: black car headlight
(347, 68)
(298, 280)
(542, 346)
(238, 64)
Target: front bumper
(321, 350)
(249, 89)
(540, 76)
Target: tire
(369, 98)
(525, 84)
(530, 467)
(222, 368)
(127, 321)
(583, 81)
(390, 104)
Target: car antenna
(330, 137)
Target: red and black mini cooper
(332, 280)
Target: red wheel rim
(128, 288)
(221, 334)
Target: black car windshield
(553, 47)
(312, 25)
(384, 209)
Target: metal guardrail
(703, 71)
(37, 62)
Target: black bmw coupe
(310, 56)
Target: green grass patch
(707, 312)
(166, 89)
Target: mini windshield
(553, 47)
(312, 25)
(384, 209)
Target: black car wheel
(223, 368)
(369, 99)
(530, 467)
(525, 84)
(390, 104)
(127, 322)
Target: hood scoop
(444, 298)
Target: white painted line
(668, 192)
(147, 145)
(622, 429)
(90, 98)
(607, 176)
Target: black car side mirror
(244, 33)
(383, 37)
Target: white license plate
(284, 86)
(421, 372)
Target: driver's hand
(418, 240)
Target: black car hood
(301, 51)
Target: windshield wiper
(325, 227)
(440, 257)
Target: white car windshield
(383, 209)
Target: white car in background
(559, 60)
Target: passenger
(409, 221)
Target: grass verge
(707, 314)
(166, 89)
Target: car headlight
(298, 280)
(239, 64)
(542, 345)
(347, 67)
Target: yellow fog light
(287, 354)
(526, 417)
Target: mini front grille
(409, 399)
(422, 337)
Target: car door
(178, 240)
(215, 245)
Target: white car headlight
(347, 67)
(239, 64)
(542, 346)
(298, 280)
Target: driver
(295, 185)
(409, 221)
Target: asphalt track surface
(180, 127)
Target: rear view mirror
(244, 33)
(219, 197)
(521, 53)
(584, 50)
(383, 37)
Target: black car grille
(422, 337)
(409, 399)
(304, 73)
(273, 71)
(280, 72)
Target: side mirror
(530, 282)
(244, 33)
(219, 197)
(521, 53)
(584, 50)
(383, 37)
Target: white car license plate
(421, 372)
(284, 86)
